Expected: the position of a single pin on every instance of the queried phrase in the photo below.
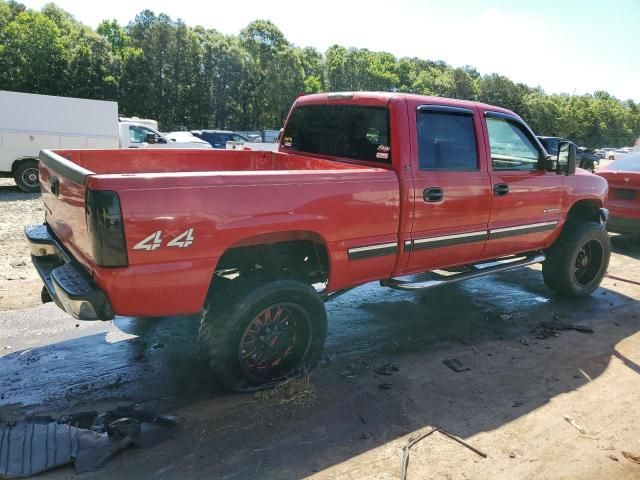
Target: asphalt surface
(52, 364)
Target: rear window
(347, 131)
(629, 163)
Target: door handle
(433, 194)
(500, 189)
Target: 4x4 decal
(154, 241)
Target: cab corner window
(348, 131)
(511, 147)
(446, 142)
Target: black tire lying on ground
(578, 260)
(262, 333)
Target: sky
(564, 46)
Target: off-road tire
(560, 271)
(23, 174)
(228, 316)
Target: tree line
(193, 77)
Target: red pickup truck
(364, 187)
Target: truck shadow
(11, 193)
(627, 245)
(489, 325)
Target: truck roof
(381, 98)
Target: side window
(511, 147)
(446, 142)
(137, 134)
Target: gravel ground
(19, 283)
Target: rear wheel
(578, 260)
(259, 334)
(26, 176)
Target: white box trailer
(30, 122)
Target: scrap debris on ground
(37, 444)
(297, 391)
(412, 441)
(456, 365)
(550, 329)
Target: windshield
(630, 163)
(348, 131)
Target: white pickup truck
(30, 123)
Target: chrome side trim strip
(521, 230)
(524, 227)
(367, 251)
(447, 240)
(450, 237)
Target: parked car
(618, 153)
(219, 138)
(364, 187)
(551, 143)
(623, 200)
(187, 140)
(584, 158)
(601, 152)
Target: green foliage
(192, 77)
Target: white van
(30, 123)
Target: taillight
(106, 229)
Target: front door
(527, 199)
(451, 191)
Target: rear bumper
(68, 283)
(620, 224)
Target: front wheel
(262, 333)
(26, 176)
(578, 260)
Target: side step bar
(478, 270)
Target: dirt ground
(19, 283)
(540, 404)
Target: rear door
(527, 200)
(451, 189)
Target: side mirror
(566, 158)
(151, 138)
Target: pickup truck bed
(227, 198)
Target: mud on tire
(578, 259)
(261, 333)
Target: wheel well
(586, 210)
(306, 260)
(18, 161)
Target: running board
(477, 270)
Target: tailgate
(62, 183)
